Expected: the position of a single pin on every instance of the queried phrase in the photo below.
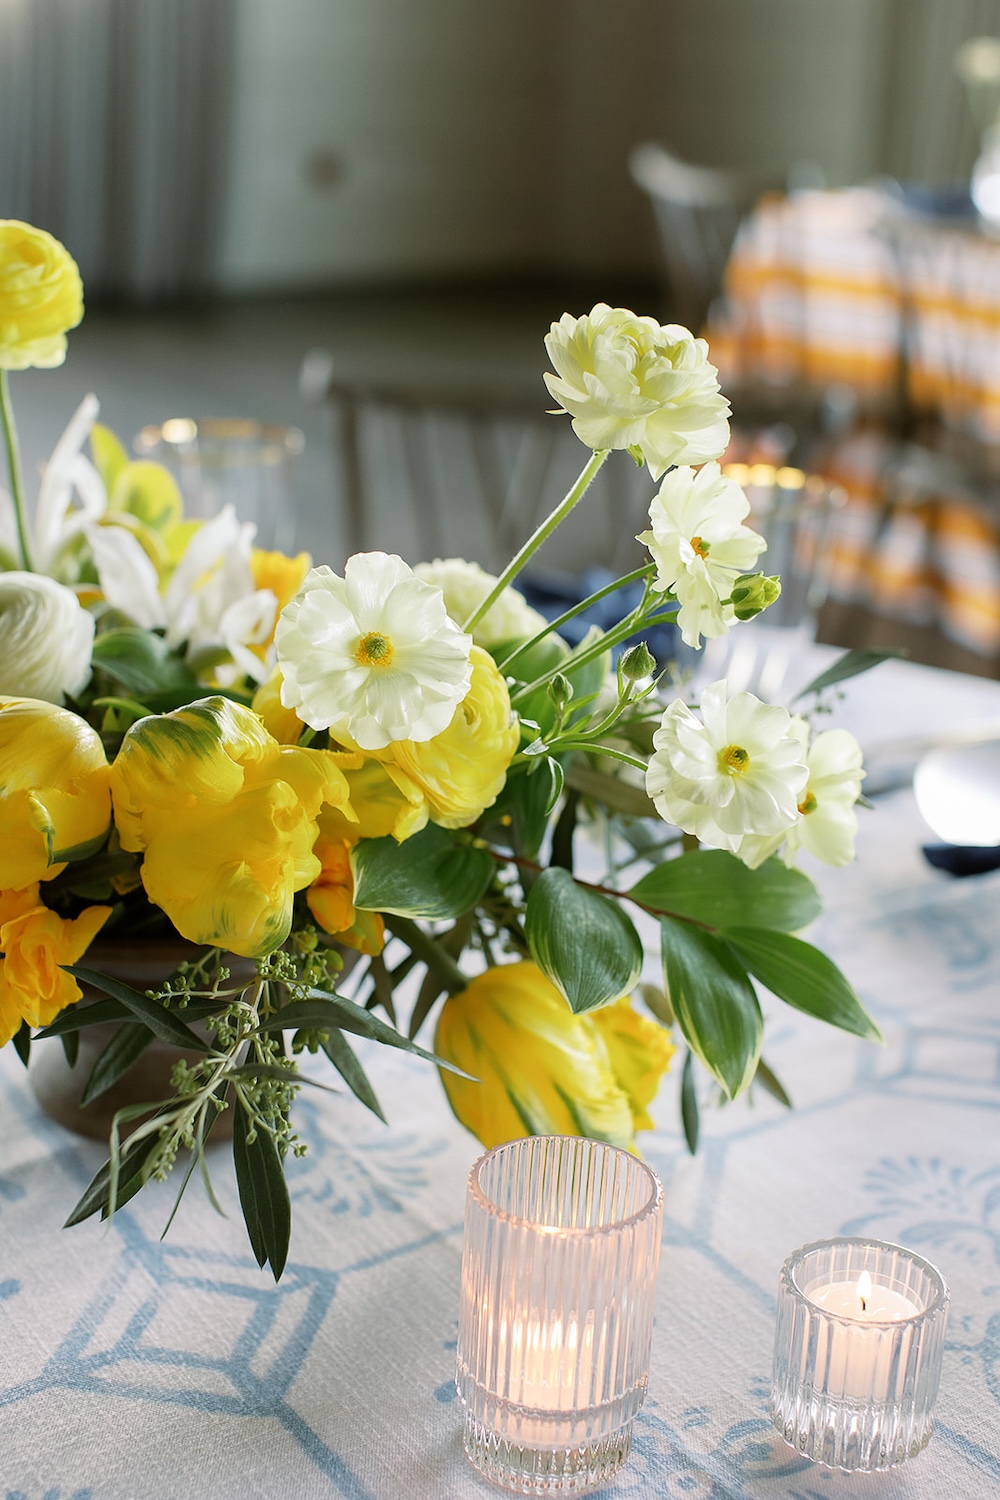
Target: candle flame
(864, 1290)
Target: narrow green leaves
(263, 1191)
(432, 875)
(125, 1048)
(324, 1011)
(714, 1002)
(162, 1022)
(851, 664)
(134, 1168)
(716, 889)
(689, 1104)
(581, 940)
(339, 1051)
(804, 977)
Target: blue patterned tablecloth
(138, 1369)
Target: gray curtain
(929, 134)
(113, 124)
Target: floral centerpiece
(404, 764)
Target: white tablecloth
(135, 1369)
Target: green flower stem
(562, 747)
(430, 952)
(540, 535)
(632, 623)
(554, 626)
(14, 469)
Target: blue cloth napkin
(963, 859)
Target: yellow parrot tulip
(55, 801)
(225, 818)
(538, 1069)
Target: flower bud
(560, 689)
(638, 662)
(753, 593)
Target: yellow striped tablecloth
(845, 289)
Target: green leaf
(78, 1017)
(134, 1169)
(519, 818)
(146, 666)
(718, 890)
(263, 1192)
(804, 977)
(125, 1047)
(432, 875)
(581, 940)
(851, 664)
(86, 850)
(339, 1051)
(22, 1042)
(689, 1104)
(325, 1011)
(771, 1083)
(71, 1047)
(714, 1002)
(162, 1022)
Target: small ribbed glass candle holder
(562, 1244)
(857, 1352)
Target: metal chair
(457, 460)
(698, 211)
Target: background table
(132, 1369)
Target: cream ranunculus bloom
(372, 656)
(41, 297)
(701, 546)
(461, 771)
(55, 795)
(465, 585)
(741, 771)
(225, 818)
(34, 943)
(46, 637)
(538, 1069)
(629, 383)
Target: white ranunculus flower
(465, 585)
(629, 383)
(373, 656)
(46, 637)
(700, 546)
(739, 770)
(827, 824)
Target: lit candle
(856, 1358)
(857, 1352)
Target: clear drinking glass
(234, 461)
(857, 1352)
(562, 1244)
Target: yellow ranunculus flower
(383, 801)
(34, 941)
(225, 817)
(542, 1070)
(461, 771)
(284, 576)
(41, 297)
(331, 900)
(54, 790)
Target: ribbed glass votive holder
(857, 1352)
(562, 1244)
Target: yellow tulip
(383, 801)
(281, 722)
(41, 297)
(225, 818)
(461, 771)
(34, 942)
(542, 1070)
(55, 802)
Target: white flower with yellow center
(372, 656)
(465, 585)
(827, 824)
(738, 770)
(701, 546)
(631, 383)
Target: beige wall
(483, 136)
